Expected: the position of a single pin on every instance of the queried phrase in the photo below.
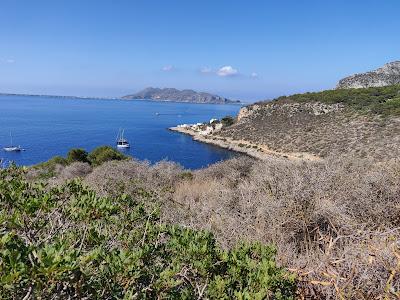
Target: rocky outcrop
(247, 111)
(171, 94)
(389, 74)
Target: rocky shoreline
(257, 151)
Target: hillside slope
(359, 122)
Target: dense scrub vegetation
(335, 223)
(131, 229)
(65, 241)
(378, 100)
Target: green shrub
(77, 155)
(103, 154)
(66, 242)
(56, 160)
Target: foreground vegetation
(334, 223)
(67, 242)
(128, 229)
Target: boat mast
(119, 133)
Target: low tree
(103, 154)
(77, 155)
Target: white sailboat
(121, 141)
(12, 148)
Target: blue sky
(247, 50)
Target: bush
(79, 155)
(227, 121)
(74, 170)
(68, 243)
(103, 154)
(56, 160)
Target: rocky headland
(348, 122)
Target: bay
(49, 126)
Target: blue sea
(50, 126)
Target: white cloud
(254, 75)
(206, 70)
(227, 71)
(168, 68)
(7, 61)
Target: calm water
(46, 127)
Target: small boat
(121, 141)
(12, 148)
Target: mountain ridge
(388, 74)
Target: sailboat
(121, 141)
(12, 148)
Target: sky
(247, 50)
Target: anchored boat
(121, 141)
(12, 148)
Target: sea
(47, 126)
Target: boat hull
(12, 149)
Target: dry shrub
(231, 171)
(363, 265)
(164, 174)
(352, 204)
(44, 172)
(74, 170)
(134, 178)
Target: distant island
(171, 94)
(156, 94)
